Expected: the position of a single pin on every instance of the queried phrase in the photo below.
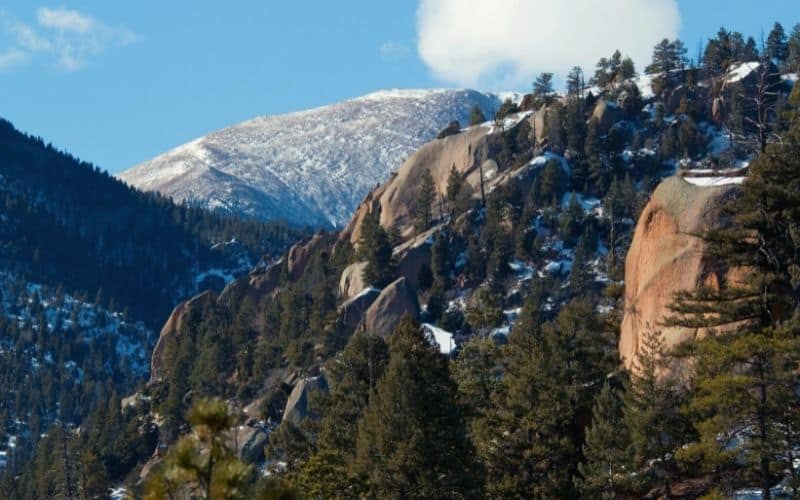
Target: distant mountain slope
(66, 223)
(310, 167)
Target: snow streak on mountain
(311, 167)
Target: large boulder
(172, 328)
(298, 256)
(606, 113)
(666, 257)
(352, 312)
(395, 301)
(538, 123)
(297, 406)
(396, 199)
(452, 129)
(413, 255)
(351, 283)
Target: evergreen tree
(745, 394)
(201, 465)
(352, 375)
(627, 70)
(580, 278)
(374, 247)
(440, 258)
(476, 116)
(412, 440)
(543, 89)
(486, 311)
(793, 47)
(531, 445)
(602, 75)
(575, 83)
(777, 49)
(652, 404)
(605, 467)
(426, 195)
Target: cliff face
(666, 257)
(469, 151)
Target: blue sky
(116, 83)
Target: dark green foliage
(652, 404)
(507, 108)
(613, 70)
(440, 258)
(549, 187)
(606, 464)
(793, 45)
(476, 116)
(571, 222)
(426, 195)
(486, 311)
(543, 89)
(374, 247)
(575, 81)
(412, 440)
(722, 51)
(531, 443)
(777, 49)
(70, 223)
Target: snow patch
(440, 338)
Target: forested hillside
(460, 337)
(89, 268)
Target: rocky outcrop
(351, 283)
(666, 257)
(351, 313)
(452, 129)
(297, 406)
(395, 301)
(606, 114)
(411, 256)
(297, 258)
(173, 328)
(396, 198)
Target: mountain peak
(309, 167)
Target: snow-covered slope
(311, 167)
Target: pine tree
(426, 195)
(200, 464)
(580, 278)
(412, 440)
(575, 83)
(486, 311)
(352, 375)
(605, 467)
(543, 89)
(652, 403)
(476, 116)
(601, 74)
(375, 248)
(777, 49)
(627, 70)
(793, 46)
(745, 393)
(532, 439)
(440, 258)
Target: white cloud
(67, 38)
(507, 42)
(393, 51)
(66, 20)
(12, 57)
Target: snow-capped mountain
(311, 167)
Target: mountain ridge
(310, 167)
